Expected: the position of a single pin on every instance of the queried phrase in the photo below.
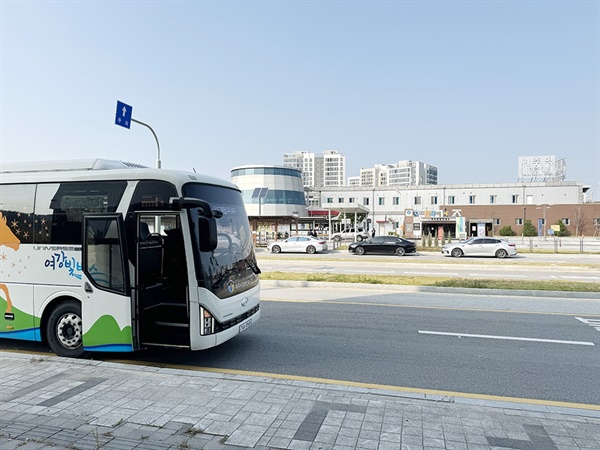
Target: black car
(383, 244)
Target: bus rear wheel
(64, 331)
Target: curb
(433, 289)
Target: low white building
(456, 208)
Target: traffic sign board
(123, 115)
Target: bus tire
(64, 331)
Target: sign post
(124, 117)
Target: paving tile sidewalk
(56, 403)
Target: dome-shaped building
(273, 196)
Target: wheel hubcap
(68, 331)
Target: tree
(579, 221)
(529, 229)
(563, 229)
(507, 231)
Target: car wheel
(501, 253)
(64, 331)
(359, 238)
(337, 238)
(360, 250)
(456, 252)
(311, 249)
(276, 249)
(400, 251)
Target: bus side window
(16, 209)
(60, 207)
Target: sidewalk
(48, 402)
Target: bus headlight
(208, 322)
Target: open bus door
(161, 298)
(106, 310)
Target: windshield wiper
(252, 264)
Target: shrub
(563, 229)
(507, 231)
(529, 229)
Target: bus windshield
(233, 261)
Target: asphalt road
(545, 349)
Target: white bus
(106, 256)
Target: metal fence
(557, 244)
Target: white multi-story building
(354, 181)
(318, 171)
(403, 173)
(334, 168)
(306, 163)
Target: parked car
(480, 246)
(383, 244)
(358, 234)
(304, 244)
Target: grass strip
(479, 283)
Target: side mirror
(207, 234)
(179, 203)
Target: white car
(301, 244)
(357, 234)
(480, 246)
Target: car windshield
(234, 255)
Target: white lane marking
(497, 275)
(578, 277)
(431, 273)
(509, 338)
(594, 323)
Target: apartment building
(402, 173)
(327, 170)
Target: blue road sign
(123, 115)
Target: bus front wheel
(64, 332)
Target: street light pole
(155, 137)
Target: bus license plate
(245, 325)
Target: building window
(351, 200)
(329, 200)
(381, 201)
(396, 200)
(492, 199)
(451, 200)
(434, 200)
(471, 199)
(496, 221)
(518, 221)
(515, 199)
(566, 221)
(365, 200)
(340, 199)
(417, 201)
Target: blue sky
(467, 86)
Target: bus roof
(96, 170)
(64, 165)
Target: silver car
(304, 244)
(480, 246)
